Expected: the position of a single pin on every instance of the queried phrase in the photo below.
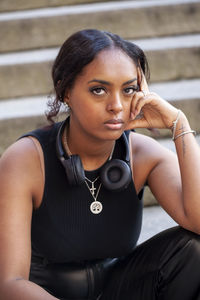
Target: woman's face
(101, 96)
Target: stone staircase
(32, 31)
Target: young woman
(70, 193)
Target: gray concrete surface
(42, 28)
(177, 90)
(6, 5)
(88, 8)
(169, 42)
(150, 44)
(155, 220)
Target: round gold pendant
(96, 207)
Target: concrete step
(12, 129)
(172, 58)
(6, 5)
(155, 220)
(18, 116)
(47, 27)
(28, 72)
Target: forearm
(20, 289)
(188, 153)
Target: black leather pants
(68, 281)
(166, 267)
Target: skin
(94, 106)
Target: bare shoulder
(146, 154)
(19, 157)
(142, 144)
(20, 167)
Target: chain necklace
(96, 206)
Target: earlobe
(67, 97)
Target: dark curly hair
(78, 51)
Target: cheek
(127, 107)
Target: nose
(115, 104)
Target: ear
(67, 97)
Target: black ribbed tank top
(63, 227)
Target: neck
(93, 153)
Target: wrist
(180, 126)
(175, 125)
(182, 123)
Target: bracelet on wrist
(175, 124)
(174, 128)
(183, 133)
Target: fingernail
(136, 112)
(132, 115)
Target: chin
(113, 135)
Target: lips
(114, 121)
(114, 124)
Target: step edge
(49, 54)
(88, 8)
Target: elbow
(193, 227)
(191, 220)
(196, 230)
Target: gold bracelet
(183, 133)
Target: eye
(98, 90)
(130, 90)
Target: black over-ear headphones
(115, 174)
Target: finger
(139, 75)
(141, 103)
(137, 123)
(135, 99)
(143, 85)
(132, 108)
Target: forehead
(110, 64)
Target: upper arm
(166, 185)
(19, 182)
(159, 166)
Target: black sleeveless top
(63, 227)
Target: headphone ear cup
(115, 175)
(74, 170)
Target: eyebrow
(108, 83)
